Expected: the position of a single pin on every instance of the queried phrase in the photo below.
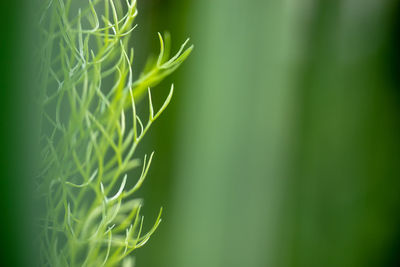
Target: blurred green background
(18, 134)
(281, 146)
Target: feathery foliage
(90, 132)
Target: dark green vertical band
(17, 134)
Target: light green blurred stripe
(234, 135)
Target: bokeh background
(281, 146)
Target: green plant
(91, 130)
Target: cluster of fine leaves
(91, 130)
